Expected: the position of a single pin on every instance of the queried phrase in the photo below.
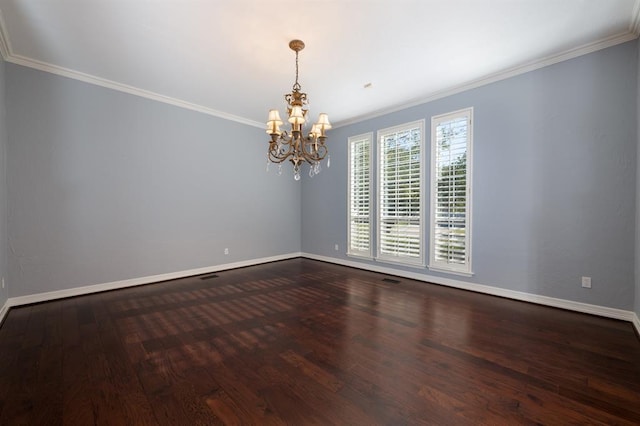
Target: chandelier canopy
(294, 145)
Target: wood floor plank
(245, 388)
(306, 342)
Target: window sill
(360, 256)
(450, 271)
(399, 262)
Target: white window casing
(451, 185)
(400, 198)
(360, 196)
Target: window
(451, 143)
(359, 234)
(400, 225)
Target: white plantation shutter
(359, 234)
(400, 223)
(450, 248)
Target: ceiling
(231, 58)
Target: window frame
(418, 261)
(368, 137)
(439, 266)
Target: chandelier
(295, 146)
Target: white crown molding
(7, 53)
(98, 81)
(96, 288)
(570, 305)
(501, 75)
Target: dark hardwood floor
(304, 342)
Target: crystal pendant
(328, 161)
(311, 172)
(279, 169)
(296, 175)
(268, 162)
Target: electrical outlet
(586, 282)
(337, 247)
(226, 250)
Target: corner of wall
(636, 304)
(4, 291)
(4, 310)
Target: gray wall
(4, 292)
(554, 179)
(105, 186)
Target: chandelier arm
(276, 154)
(277, 161)
(316, 144)
(321, 153)
(311, 159)
(308, 149)
(276, 158)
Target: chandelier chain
(296, 83)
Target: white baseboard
(486, 289)
(79, 291)
(480, 288)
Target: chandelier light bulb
(296, 116)
(315, 131)
(274, 123)
(274, 115)
(323, 119)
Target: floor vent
(208, 277)
(391, 280)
